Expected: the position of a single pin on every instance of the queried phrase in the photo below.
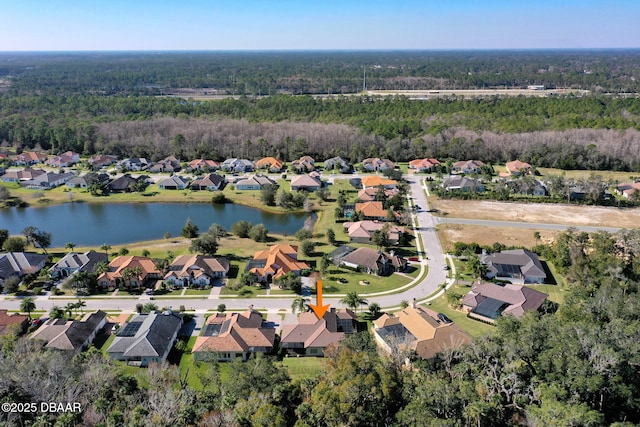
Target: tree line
(564, 132)
(269, 73)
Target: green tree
(374, 310)
(303, 234)
(325, 262)
(27, 305)
(381, 237)
(300, 304)
(4, 235)
(14, 244)
(123, 251)
(331, 237)
(11, 284)
(38, 238)
(56, 312)
(268, 194)
(106, 248)
(146, 252)
(222, 308)
(206, 244)
(307, 247)
(259, 233)
(70, 246)
(353, 301)
(241, 229)
(475, 267)
(190, 230)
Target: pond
(92, 224)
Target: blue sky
(311, 24)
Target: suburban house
(64, 160)
(8, 322)
(310, 182)
(254, 182)
(362, 231)
(203, 165)
(21, 175)
(129, 271)
(271, 164)
(77, 262)
(28, 158)
(126, 184)
(20, 263)
(311, 336)
(488, 301)
(237, 165)
(376, 181)
(210, 182)
(419, 329)
(276, 261)
(234, 335)
(303, 164)
(174, 182)
(87, 179)
(517, 265)
(371, 194)
(372, 261)
(462, 183)
(516, 167)
(337, 163)
(145, 339)
(374, 211)
(133, 164)
(377, 165)
(423, 165)
(467, 166)
(47, 180)
(70, 336)
(629, 189)
(196, 270)
(101, 160)
(169, 164)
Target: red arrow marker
(319, 309)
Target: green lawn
(201, 292)
(304, 367)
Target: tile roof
(517, 166)
(119, 264)
(278, 261)
(13, 319)
(186, 265)
(313, 332)
(375, 181)
(238, 332)
(420, 329)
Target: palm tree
(69, 308)
(137, 272)
(70, 246)
(56, 312)
(28, 305)
(81, 305)
(353, 301)
(300, 304)
(101, 267)
(374, 310)
(106, 248)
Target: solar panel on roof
(508, 268)
(347, 326)
(225, 327)
(130, 329)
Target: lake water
(92, 224)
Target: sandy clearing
(452, 233)
(540, 212)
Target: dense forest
(320, 72)
(117, 103)
(564, 132)
(574, 366)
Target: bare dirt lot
(539, 212)
(452, 233)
